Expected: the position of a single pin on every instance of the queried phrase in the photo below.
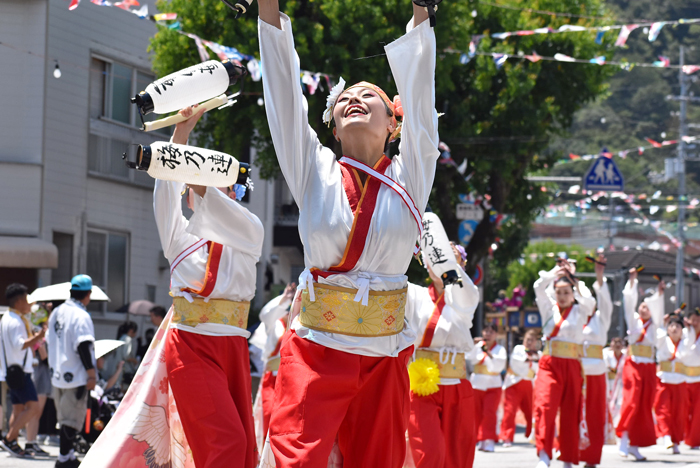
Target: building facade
(70, 205)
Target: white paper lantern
(192, 165)
(187, 87)
(437, 250)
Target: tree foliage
(536, 258)
(500, 119)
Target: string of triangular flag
(654, 28)
(625, 152)
(501, 58)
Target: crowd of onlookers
(35, 377)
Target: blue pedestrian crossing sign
(604, 175)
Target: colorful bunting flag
(662, 62)
(165, 17)
(624, 34)
(73, 4)
(500, 59)
(655, 29)
(563, 58)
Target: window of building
(64, 272)
(107, 265)
(114, 121)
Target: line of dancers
(362, 368)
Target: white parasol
(103, 347)
(61, 292)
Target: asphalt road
(521, 454)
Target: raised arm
(657, 307)
(545, 303)
(605, 305)
(462, 301)
(630, 296)
(296, 144)
(412, 61)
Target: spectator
(143, 347)
(42, 382)
(70, 339)
(127, 353)
(107, 382)
(157, 315)
(16, 364)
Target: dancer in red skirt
(671, 401)
(636, 426)
(441, 427)
(559, 379)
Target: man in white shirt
(17, 356)
(71, 339)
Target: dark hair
(675, 319)
(564, 279)
(695, 311)
(492, 326)
(158, 311)
(78, 295)
(125, 327)
(150, 333)
(532, 333)
(13, 292)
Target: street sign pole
(681, 182)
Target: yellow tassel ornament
(424, 376)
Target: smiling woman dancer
(559, 378)
(343, 367)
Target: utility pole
(682, 198)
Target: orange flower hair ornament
(394, 106)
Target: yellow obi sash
(336, 311)
(612, 374)
(692, 371)
(563, 349)
(641, 351)
(273, 364)
(593, 351)
(458, 370)
(481, 369)
(673, 366)
(220, 311)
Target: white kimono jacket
(571, 329)
(219, 219)
(692, 348)
(452, 332)
(315, 179)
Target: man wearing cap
(71, 338)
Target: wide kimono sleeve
(497, 363)
(273, 311)
(587, 304)
(462, 301)
(605, 305)
(656, 305)
(412, 62)
(518, 361)
(218, 218)
(171, 223)
(295, 142)
(545, 303)
(630, 296)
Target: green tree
(536, 258)
(501, 119)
